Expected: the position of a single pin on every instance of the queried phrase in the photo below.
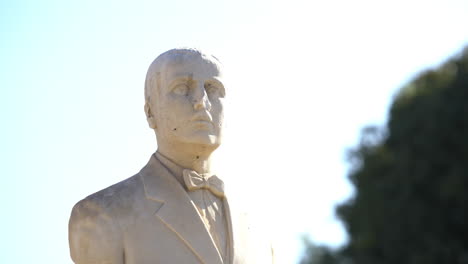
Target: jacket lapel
(174, 208)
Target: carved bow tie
(195, 181)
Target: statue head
(184, 95)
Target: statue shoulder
(95, 232)
(114, 196)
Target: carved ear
(149, 116)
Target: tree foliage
(321, 254)
(411, 177)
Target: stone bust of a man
(175, 210)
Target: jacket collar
(173, 207)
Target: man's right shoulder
(95, 228)
(114, 197)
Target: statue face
(189, 107)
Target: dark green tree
(319, 254)
(411, 177)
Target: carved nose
(201, 101)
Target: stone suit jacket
(150, 219)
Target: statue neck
(188, 156)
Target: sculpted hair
(159, 65)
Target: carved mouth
(203, 124)
(203, 117)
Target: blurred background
(305, 78)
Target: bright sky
(304, 78)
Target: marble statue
(175, 210)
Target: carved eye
(181, 89)
(210, 88)
(213, 89)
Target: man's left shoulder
(255, 233)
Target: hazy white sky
(304, 78)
